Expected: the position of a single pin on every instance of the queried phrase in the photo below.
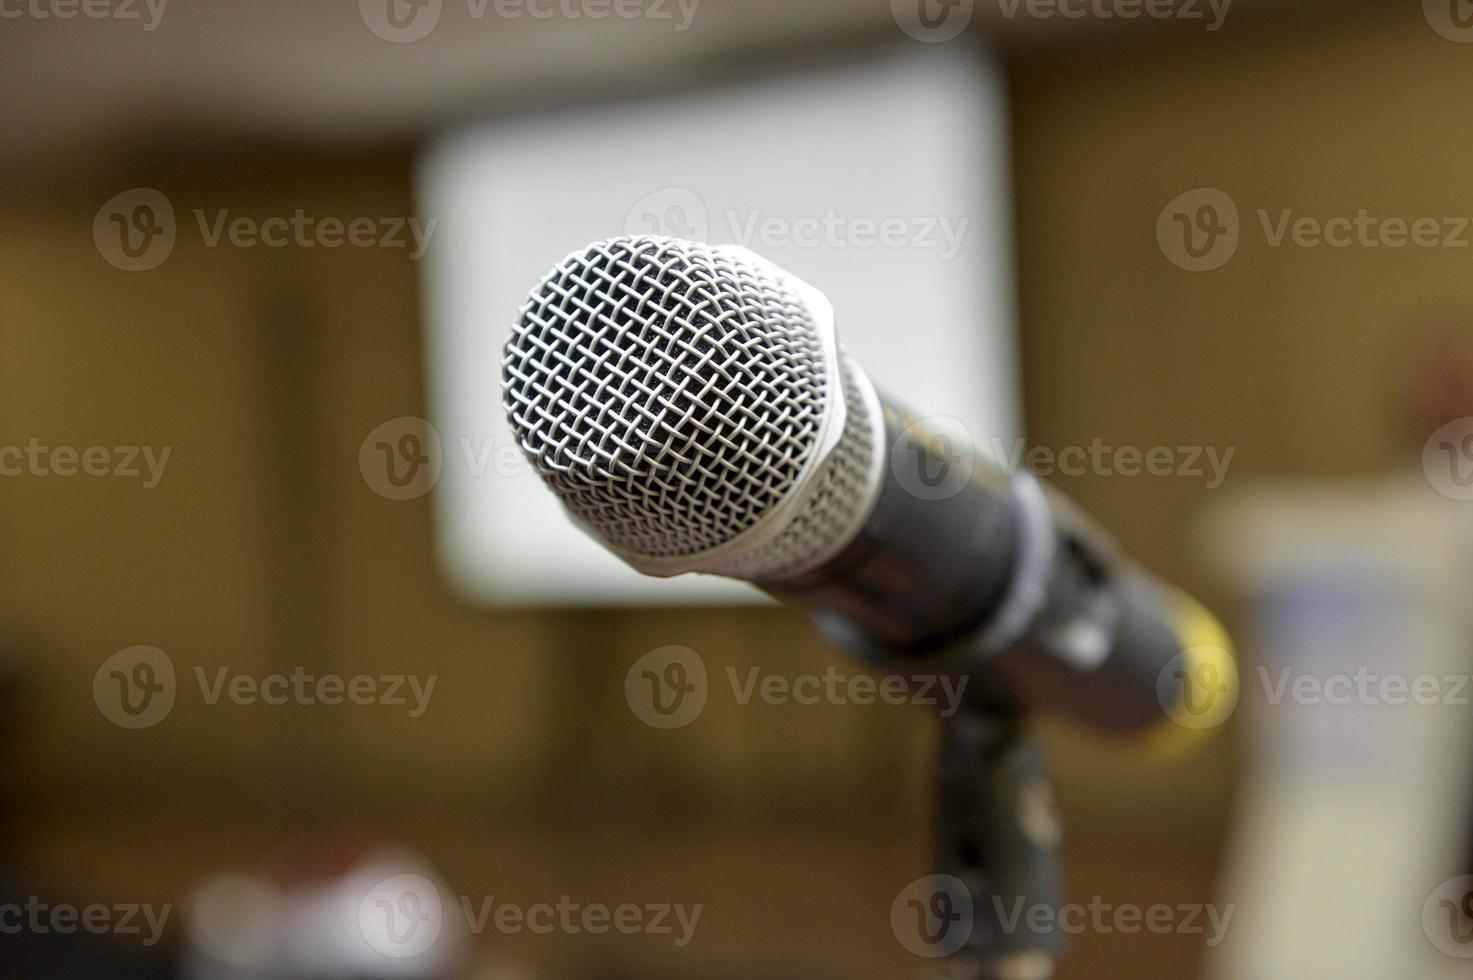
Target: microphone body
(692, 408)
(1003, 581)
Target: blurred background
(238, 376)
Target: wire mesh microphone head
(685, 402)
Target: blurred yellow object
(1203, 679)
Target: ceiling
(314, 70)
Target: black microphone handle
(1008, 584)
(919, 572)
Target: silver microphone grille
(673, 395)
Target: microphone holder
(997, 851)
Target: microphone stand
(998, 833)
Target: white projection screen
(882, 182)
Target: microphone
(691, 407)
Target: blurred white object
(1355, 808)
(387, 915)
(233, 929)
(882, 183)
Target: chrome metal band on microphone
(1028, 590)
